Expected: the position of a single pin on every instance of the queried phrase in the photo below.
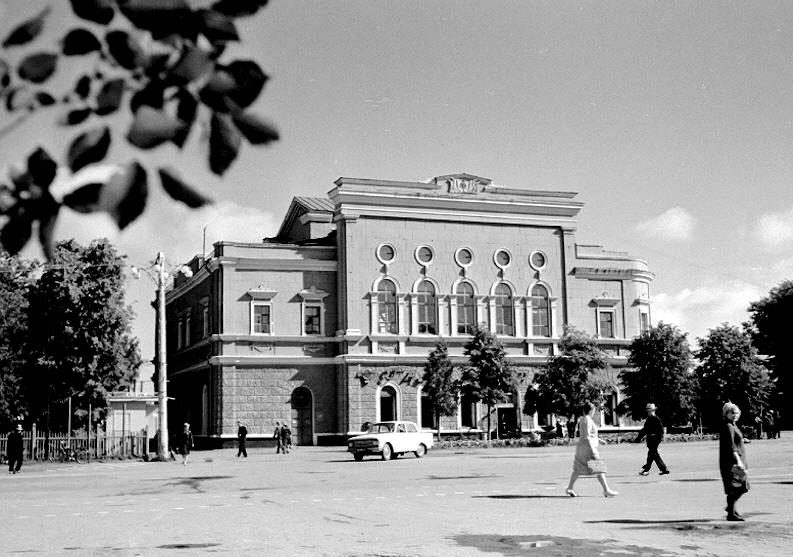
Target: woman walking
(732, 459)
(587, 459)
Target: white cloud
(675, 224)
(775, 229)
(706, 307)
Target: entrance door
(302, 418)
(507, 422)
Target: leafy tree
(159, 59)
(489, 376)
(16, 276)
(440, 384)
(659, 371)
(570, 378)
(730, 370)
(79, 331)
(769, 323)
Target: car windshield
(381, 428)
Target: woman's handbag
(738, 472)
(596, 466)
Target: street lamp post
(160, 277)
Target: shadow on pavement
(521, 497)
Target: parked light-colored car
(389, 440)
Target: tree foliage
(160, 60)
(440, 384)
(16, 276)
(659, 371)
(79, 338)
(769, 323)
(730, 370)
(570, 378)
(489, 376)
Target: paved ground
(318, 501)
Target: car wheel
(387, 452)
(358, 456)
(420, 451)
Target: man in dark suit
(654, 430)
(242, 433)
(15, 450)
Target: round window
(425, 255)
(538, 260)
(503, 258)
(464, 256)
(386, 253)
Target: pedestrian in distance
(653, 429)
(185, 443)
(15, 450)
(278, 438)
(242, 434)
(286, 438)
(587, 461)
(732, 460)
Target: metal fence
(101, 445)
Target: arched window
(505, 317)
(388, 404)
(427, 308)
(387, 306)
(466, 309)
(468, 410)
(540, 314)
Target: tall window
(387, 306)
(468, 410)
(427, 413)
(540, 318)
(261, 319)
(644, 322)
(428, 308)
(312, 321)
(606, 324)
(204, 321)
(466, 309)
(505, 319)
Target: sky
(672, 120)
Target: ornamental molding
(463, 183)
(605, 299)
(262, 293)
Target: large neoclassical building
(328, 324)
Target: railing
(100, 446)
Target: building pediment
(462, 183)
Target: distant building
(328, 324)
(133, 410)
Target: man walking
(15, 450)
(278, 438)
(654, 430)
(242, 433)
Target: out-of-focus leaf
(5, 74)
(80, 41)
(152, 95)
(7, 199)
(48, 210)
(85, 199)
(124, 49)
(161, 17)
(134, 202)
(186, 113)
(224, 143)
(28, 30)
(21, 179)
(42, 168)
(73, 117)
(19, 97)
(218, 26)
(179, 190)
(44, 98)
(89, 147)
(194, 64)
(256, 130)
(16, 232)
(239, 8)
(98, 11)
(152, 127)
(38, 67)
(83, 86)
(249, 79)
(109, 98)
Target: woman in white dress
(585, 450)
